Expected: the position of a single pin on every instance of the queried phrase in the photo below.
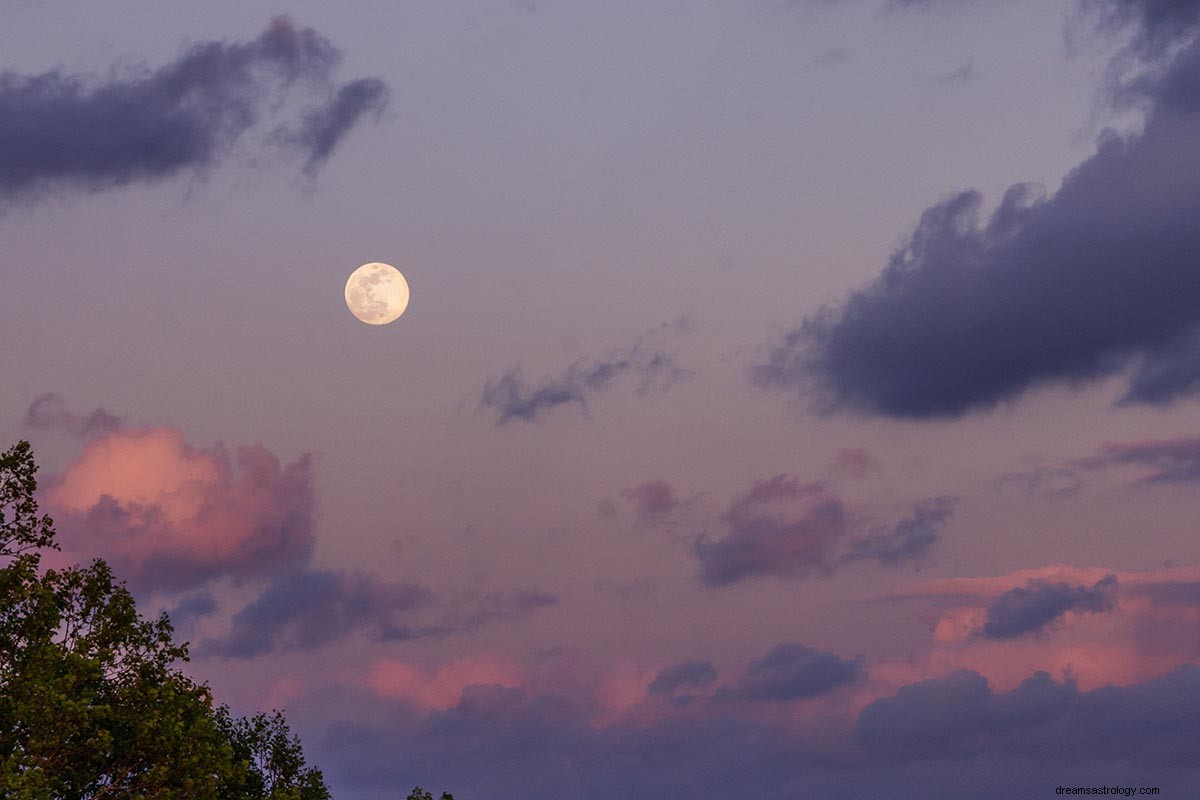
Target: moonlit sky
(658, 488)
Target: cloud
(1067, 289)
(685, 675)
(191, 608)
(1157, 23)
(654, 370)
(792, 671)
(496, 606)
(785, 528)
(325, 126)
(1169, 460)
(48, 412)
(1054, 482)
(1028, 609)
(653, 498)
(857, 462)
(309, 608)
(445, 687)
(909, 539)
(59, 130)
(168, 515)
(1123, 627)
(501, 732)
(960, 715)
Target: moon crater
(376, 293)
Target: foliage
(92, 704)
(420, 794)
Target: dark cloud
(192, 607)
(685, 675)
(786, 528)
(306, 609)
(49, 412)
(1028, 609)
(653, 369)
(1169, 460)
(1101, 276)
(61, 130)
(792, 671)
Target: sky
(796, 397)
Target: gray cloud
(792, 671)
(1027, 609)
(59, 130)
(685, 675)
(784, 528)
(1099, 277)
(651, 367)
(49, 412)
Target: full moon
(377, 293)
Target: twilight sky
(796, 398)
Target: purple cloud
(1028, 609)
(59, 130)
(784, 528)
(792, 671)
(310, 608)
(1096, 279)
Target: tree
(420, 794)
(92, 704)
(276, 769)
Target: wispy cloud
(48, 412)
(645, 362)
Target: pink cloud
(440, 688)
(170, 515)
(1136, 640)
